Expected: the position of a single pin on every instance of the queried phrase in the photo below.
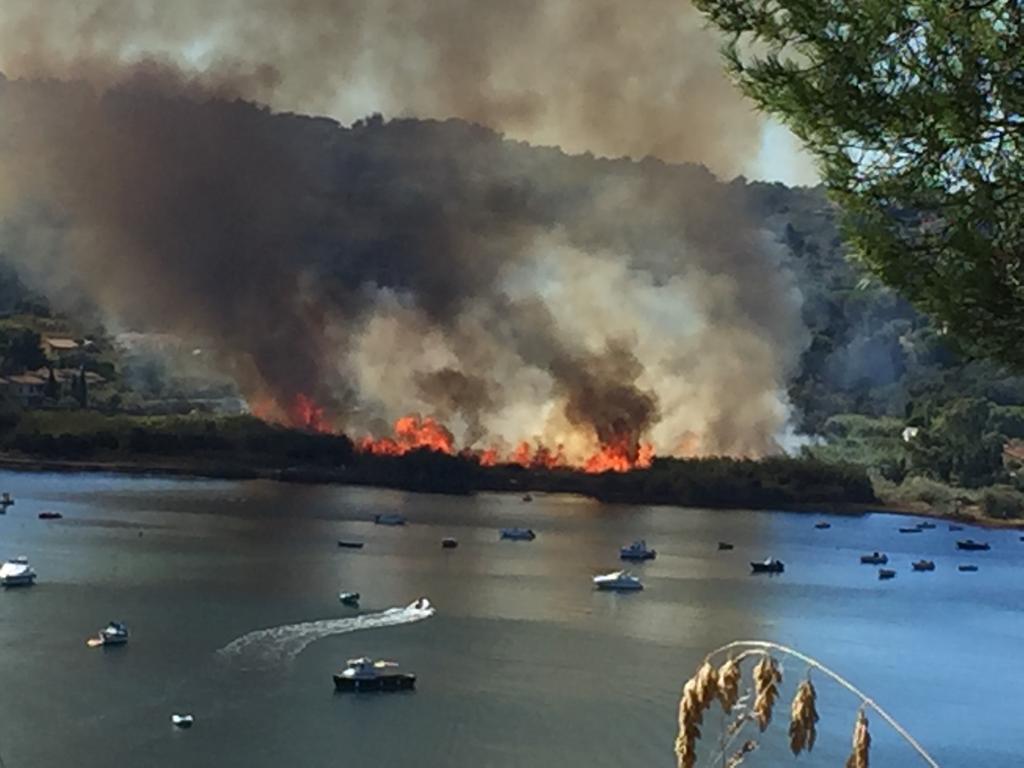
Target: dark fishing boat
(350, 544)
(967, 568)
(770, 565)
(915, 529)
(886, 573)
(50, 515)
(822, 526)
(970, 545)
(366, 675)
(638, 550)
(926, 526)
(389, 519)
(923, 565)
(724, 545)
(449, 543)
(875, 558)
(350, 599)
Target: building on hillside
(27, 388)
(58, 347)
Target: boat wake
(282, 644)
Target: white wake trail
(284, 643)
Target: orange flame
(411, 433)
(620, 456)
(305, 413)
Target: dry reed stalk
(707, 684)
(861, 743)
(803, 718)
(729, 676)
(740, 754)
(691, 715)
(766, 685)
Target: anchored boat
(875, 558)
(970, 545)
(923, 565)
(389, 519)
(349, 598)
(637, 551)
(365, 675)
(17, 573)
(518, 534)
(619, 581)
(771, 565)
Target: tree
(914, 112)
(22, 350)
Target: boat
(915, 529)
(875, 558)
(971, 545)
(955, 527)
(350, 544)
(365, 675)
(115, 633)
(923, 565)
(50, 515)
(518, 534)
(637, 551)
(527, 497)
(618, 581)
(822, 525)
(17, 573)
(967, 568)
(182, 721)
(926, 526)
(449, 543)
(389, 519)
(724, 545)
(349, 598)
(885, 573)
(771, 565)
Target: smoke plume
(410, 266)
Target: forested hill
(872, 365)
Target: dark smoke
(409, 265)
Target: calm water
(523, 664)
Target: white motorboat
(619, 580)
(183, 721)
(115, 633)
(364, 674)
(518, 534)
(17, 573)
(637, 551)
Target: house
(57, 347)
(27, 388)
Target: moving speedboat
(182, 721)
(973, 546)
(364, 675)
(50, 515)
(518, 534)
(885, 573)
(622, 581)
(349, 598)
(17, 573)
(389, 519)
(875, 558)
(771, 565)
(115, 633)
(637, 551)
(923, 565)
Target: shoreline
(316, 475)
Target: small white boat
(115, 633)
(182, 721)
(637, 551)
(622, 581)
(17, 573)
(389, 519)
(349, 598)
(518, 534)
(364, 675)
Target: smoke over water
(422, 275)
